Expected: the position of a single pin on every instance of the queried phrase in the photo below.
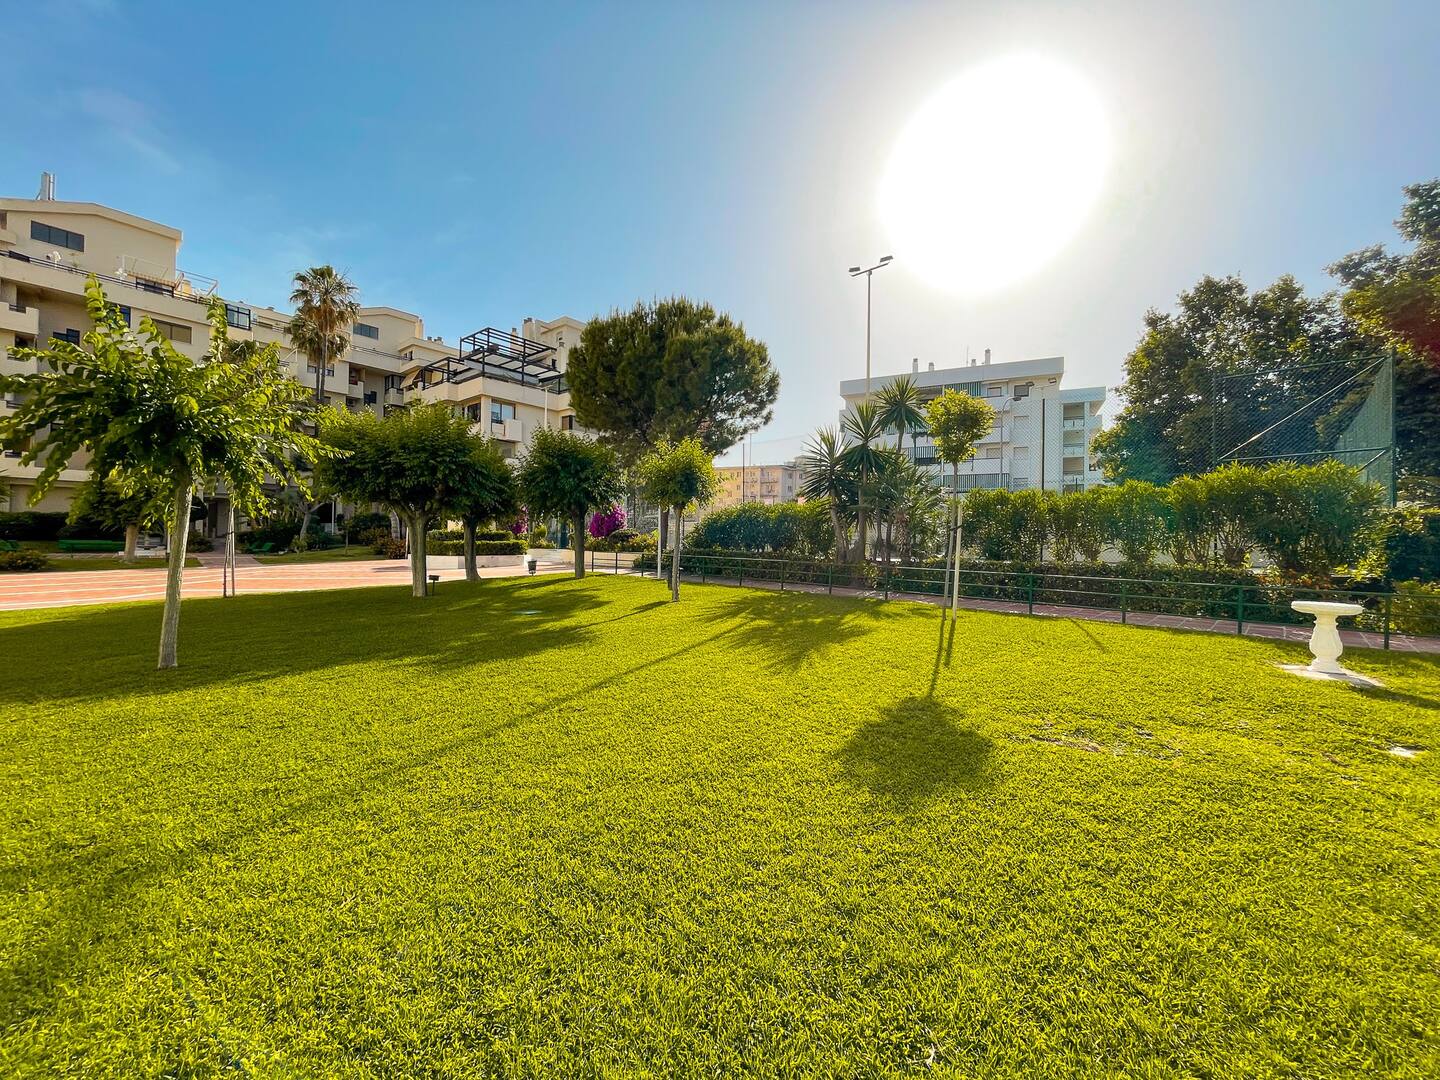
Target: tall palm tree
(865, 428)
(900, 407)
(326, 303)
(827, 476)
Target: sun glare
(995, 174)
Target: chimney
(47, 187)
(915, 364)
(932, 365)
(987, 357)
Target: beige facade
(768, 484)
(49, 247)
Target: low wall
(457, 562)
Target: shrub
(281, 534)
(1317, 516)
(369, 522)
(390, 547)
(795, 528)
(482, 547)
(88, 529)
(605, 522)
(493, 535)
(1404, 544)
(1416, 609)
(196, 542)
(1136, 512)
(445, 534)
(22, 561)
(31, 525)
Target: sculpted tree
(678, 476)
(569, 477)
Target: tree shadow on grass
(109, 653)
(914, 750)
(789, 629)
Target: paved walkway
(70, 589)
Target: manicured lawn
(546, 827)
(354, 554)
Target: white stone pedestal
(1325, 643)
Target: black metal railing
(1386, 612)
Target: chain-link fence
(1342, 409)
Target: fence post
(1124, 602)
(1030, 594)
(1240, 610)
(782, 575)
(830, 579)
(1387, 619)
(887, 580)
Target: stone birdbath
(1325, 643)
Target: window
(72, 335)
(393, 382)
(1072, 466)
(988, 453)
(361, 329)
(157, 287)
(971, 388)
(124, 313)
(237, 316)
(1073, 437)
(567, 423)
(500, 411)
(52, 234)
(995, 390)
(1022, 390)
(314, 368)
(1074, 411)
(174, 331)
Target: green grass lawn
(354, 554)
(547, 827)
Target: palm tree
(865, 427)
(325, 308)
(900, 408)
(828, 477)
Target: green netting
(1342, 409)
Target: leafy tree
(153, 419)
(114, 503)
(865, 455)
(1319, 517)
(678, 476)
(828, 475)
(957, 422)
(1396, 298)
(1167, 426)
(418, 462)
(567, 476)
(901, 409)
(666, 371)
(326, 304)
(1137, 514)
(485, 493)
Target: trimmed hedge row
(482, 547)
(31, 525)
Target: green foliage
(678, 475)
(828, 478)
(1404, 544)
(1318, 517)
(793, 528)
(567, 476)
(369, 521)
(957, 422)
(669, 370)
(31, 525)
(482, 547)
(23, 561)
(1416, 608)
(1007, 525)
(901, 408)
(487, 491)
(416, 461)
(1079, 526)
(1136, 513)
(326, 304)
(106, 506)
(390, 547)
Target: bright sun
(995, 173)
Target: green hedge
(31, 525)
(22, 561)
(482, 547)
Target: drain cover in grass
(531, 611)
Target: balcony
(20, 319)
(506, 430)
(394, 396)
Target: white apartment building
(768, 484)
(509, 383)
(1042, 430)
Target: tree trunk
(839, 532)
(132, 537)
(179, 539)
(959, 539)
(578, 528)
(664, 523)
(305, 521)
(417, 555)
(471, 573)
(951, 554)
(860, 520)
(675, 558)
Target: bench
(9, 545)
(260, 549)
(91, 545)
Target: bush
(495, 535)
(22, 561)
(605, 522)
(1416, 609)
(1317, 517)
(390, 547)
(793, 528)
(1404, 544)
(624, 540)
(281, 534)
(31, 525)
(196, 542)
(369, 522)
(444, 534)
(482, 547)
(88, 529)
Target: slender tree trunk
(675, 557)
(132, 537)
(951, 553)
(959, 539)
(839, 532)
(578, 542)
(305, 521)
(417, 555)
(179, 538)
(471, 572)
(664, 523)
(860, 520)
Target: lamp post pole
(869, 271)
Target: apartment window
(72, 336)
(124, 313)
(361, 329)
(1074, 438)
(995, 391)
(988, 453)
(175, 331)
(971, 388)
(500, 411)
(238, 317)
(53, 234)
(1074, 411)
(393, 382)
(1022, 390)
(1072, 466)
(567, 423)
(314, 368)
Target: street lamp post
(868, 271)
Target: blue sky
(479, 164)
